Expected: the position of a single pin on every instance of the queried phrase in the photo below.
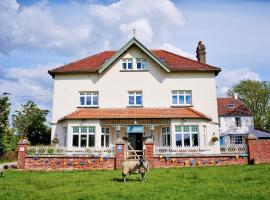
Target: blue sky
(39, 35)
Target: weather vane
(134, 32)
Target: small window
(166, 136)
(135, 98)
(89, 99)
(237, 139)
(181, 98)
(231, 106)
(127, 64)
(141, 64)
(105, 137)
(238, 122)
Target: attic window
(231, 106)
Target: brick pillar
(119, 153)
(252, 148)
(149, 151)
(22, 148)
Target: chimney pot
(235, 95)
(200, 51)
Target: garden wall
(66, 163)
(258, 152)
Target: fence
(240, 149)
(71, 151)
(179, 150)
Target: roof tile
(139, 113)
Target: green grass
(229, 182)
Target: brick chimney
(201, 52)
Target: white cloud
(176, 50)
(27, 84)
(87, 27)
(143, 32)
(229, 77)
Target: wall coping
(23, 141)
(251, 137)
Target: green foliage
(10, 140)
(228, 182)
(4, 114)
(256, 96)
(30, 122)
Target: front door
(136, 140)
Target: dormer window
(127, 64)
(141, 64)
(231, 106)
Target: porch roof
(136, 113)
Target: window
(83, 136)
(187, 135)
(89, 99)
(141, 64)
(105, 137)
(231, 106)
(166, 136)
(237, 139)
(135, 98)
(238, 122)
(181, 98)
(127, 64)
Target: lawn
(229, 182)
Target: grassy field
(230, 182)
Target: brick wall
(171, 162)
(65, 163)
(259, 151)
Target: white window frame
(165, 131)
(86, 95)
(190, 133)
(185, 94)
(237, 139)
(87, 133)
(127, 61)
(105, 131)
(143, 63)
(135, 94)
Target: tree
(256, 96)
(30, 122)
(4, 114)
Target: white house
(236, 122)
(138, 93)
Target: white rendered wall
(113, 86)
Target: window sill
(87, 106)
(181, 106)
(134, 70)
(135, 106)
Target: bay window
(187, 136)
(181, 98)
(89, 99)
(83, 136)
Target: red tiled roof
(139, 113)
(173, 61)
(238, 109)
